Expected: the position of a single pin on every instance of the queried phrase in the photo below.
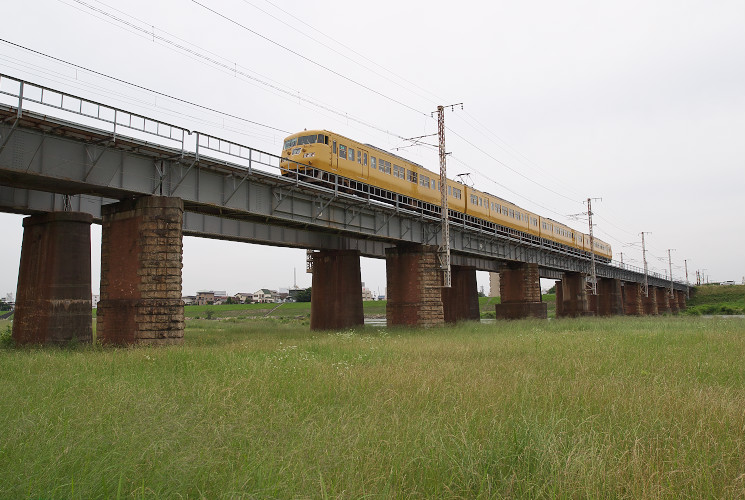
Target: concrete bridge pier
(141, 260)
(663, 301)
(573, 296)
(414, 281)
(520, 290)
(336, 301)
(53, 298)
(650, 301)
(632, 299)
(460, 302)
(609, 297)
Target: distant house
(205, 297)
(189, 299)
(243, 297)
(221, 296)
(265, 296)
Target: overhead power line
(512, 169)
(316, 63)
(340, 53)
(141, 87)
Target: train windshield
(306, 139)
(310, 139)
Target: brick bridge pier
(141, 265)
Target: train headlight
(296, 151)
(309, 155)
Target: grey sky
(640, 103)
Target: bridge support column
(53, 299)
(632, 299)
(414, 280)
(663, 301)
(592, 303)
(680, 296)
(460, 302)
(336, 301)
(574, 296)
(520, 289)
(559, 299)
(650, 301)
(141, 254)
(672, 299)
(609, 297)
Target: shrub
(6, 337)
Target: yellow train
(318, 155)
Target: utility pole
(646, 272)
(445, 247)
(688, 284)
(670, 263)
(594, 283)
(621, 258)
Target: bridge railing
(34, 97)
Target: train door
(363, 162)
(334, 155)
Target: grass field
(264, 408)
(717, 299)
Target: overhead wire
(305, 58)
(232, 70)
(141, 87)
(325, 34)
(329, 47)
(489, 155)
(506, 147)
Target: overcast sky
(639, 103)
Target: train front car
(306, 154)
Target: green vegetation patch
(588, 408)
(717, 300)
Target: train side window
(334, 147)
(412, 176)
(326, 140)
(372, 162)
(350, 155)
(359, 156)
(342, 151)
(321, 139)
(364, 159)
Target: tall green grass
(588, 408)
(717, 299)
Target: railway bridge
(67, 162)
